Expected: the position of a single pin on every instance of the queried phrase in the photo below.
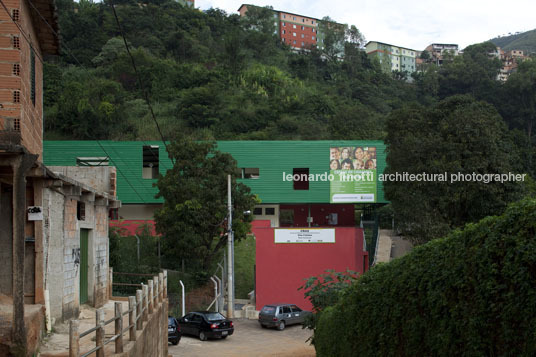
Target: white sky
(411, 23)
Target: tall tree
(193, 217)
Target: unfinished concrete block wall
(53, 252)
(71, 259)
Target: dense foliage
(471, 293)
(457, 136)
(219, 76)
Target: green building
(393, 58)
(265, 166)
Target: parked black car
(281, 315)
(206, 324)
(174, 330)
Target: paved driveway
(249, 339)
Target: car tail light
(274, 319)
(231, 324)
(213, 326)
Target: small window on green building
(150, 161)
(250, 173)
(286, 217)
(301, 178)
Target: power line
(118, 169)
(53, 31)
(77, 61)
(21, 31)
(142, 87)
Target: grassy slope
(525, 41)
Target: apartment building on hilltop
(439, 51)
(297, 31)
(392, 58)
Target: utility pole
(230, 282)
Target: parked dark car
(174, 330)
(206, 324)
(281, 315)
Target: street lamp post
(230, 262)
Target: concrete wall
(6, 240)
(62, 251)
(96, 177)
(283, 268)
(152, 340)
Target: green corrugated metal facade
(271, 157)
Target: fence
(147, 300)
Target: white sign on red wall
(304, 235)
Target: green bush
(471, 293)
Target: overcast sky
(411, 23)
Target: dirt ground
(249, 339)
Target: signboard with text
(304, 235)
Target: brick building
(297, 31)
(53, 228)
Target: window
(295, 308)
(16, 42)
(294, 42)
(286, 309)
(294, 34)
(313, 22)
(81, 211)
(32, 75)
(257, 211)
(303, 28)
(92, 161)
(16, 69)
(283, 39)
(302, 35)
(301, 178)
(284, 32)
(294, 18)
(269, 211)
(250, 173)
(303, 43)
(284, 16)
(150, 161)
(113, 213)
(313, 30)
(293, 26)
(15, 14)
(312, 37)
(284, 24)
(286, 217)
(302, 20)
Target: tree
(193, 218)
(457, 135)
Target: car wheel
(202, 336)
(175, 342)
(281, 326)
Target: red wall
(283, 268)
(346, 215)
(130, 227)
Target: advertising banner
(353, 171)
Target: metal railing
(146, 301)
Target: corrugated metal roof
(273, 158)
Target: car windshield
(215, 316)
(268, 310)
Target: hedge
(471, 293)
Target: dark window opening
(257, 211)
(301, 178)
(81, 211)
(269, 211)
(250, 173)
(150, 161)
(286, 217)
(93, 161)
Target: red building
(295, 30)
